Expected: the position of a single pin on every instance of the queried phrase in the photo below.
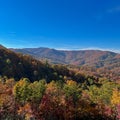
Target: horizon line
(72, 49)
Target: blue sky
(61, 24)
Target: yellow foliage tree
(115, 100)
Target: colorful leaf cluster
(58, 100)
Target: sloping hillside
(17, 65)
(90, 62)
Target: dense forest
(59, 100)
(35, 90)
(92, 62)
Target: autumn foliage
(32, 90)
(58, 100)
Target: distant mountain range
(100, 64)
(93, 58)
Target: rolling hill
(94, 58)
(91, 62)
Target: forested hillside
(92, 62)
(17, 65)
(93, 58)
(33, 90)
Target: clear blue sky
(62, 24)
